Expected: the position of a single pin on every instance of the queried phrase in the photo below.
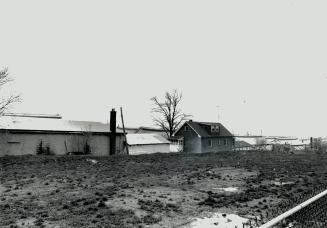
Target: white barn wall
(27, 143)
(148, 149)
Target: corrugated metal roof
(144, 139)
(49, 124)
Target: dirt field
(160, 190)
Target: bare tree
(6, 102)
(168, 114)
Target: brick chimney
(112, 135)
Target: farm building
(41, 134)
(176, 144)
(147, 144)
(202, 137)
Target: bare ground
(159, 190)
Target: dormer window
(214, 128)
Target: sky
(260, 65)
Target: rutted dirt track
(160, 190)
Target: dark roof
(203, 129)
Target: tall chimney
(112, 132)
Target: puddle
(92, 161)
(229, 189)
(219, 220)
(278, 183)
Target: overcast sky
(264, 63)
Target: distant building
(41, 134)
(147, 144)
(176, 144)
(285, 140)
(202, 137)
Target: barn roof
(145, 139)
(31, 124)
(201, 128)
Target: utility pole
(122, 120)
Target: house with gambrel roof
(203, 137)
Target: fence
(311, 213)
(304, 211)
(263, 147)
(272, 147)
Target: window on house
(225, 141)
(214, 128)
(186, 128)
(210, 142)
(218, 140)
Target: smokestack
(112, 132)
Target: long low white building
(147, 144)
(23, 135)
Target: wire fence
(313, 215)
(300, 211)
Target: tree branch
(169, 114)
(5, 103)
